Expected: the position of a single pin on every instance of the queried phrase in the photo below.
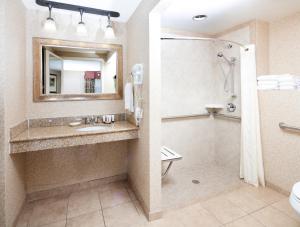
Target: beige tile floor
(115, 206)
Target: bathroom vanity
(45, 137)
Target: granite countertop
(56, 132)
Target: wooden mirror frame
(38, 96)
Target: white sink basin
(91, 128)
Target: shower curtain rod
(205, 39)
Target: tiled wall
(280, 147)
(227, 142)
(191, 78)
(194, 139)
(284, 45)
(228, 132)
(241, 35)
(188, 79)
(188, 84)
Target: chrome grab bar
(185, 116)
(283, 125)
(228, 116)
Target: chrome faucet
(90, 120)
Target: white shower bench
(168, 155)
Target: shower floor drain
(196, 182)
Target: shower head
(230, 62)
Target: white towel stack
(281, 82)
(129, 100)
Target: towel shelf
(289, 127)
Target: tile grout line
(286, 214)
(267, 205)
(242, 218)
(132, 201)
(224, 224)
(255, 211)
(263, 207)
(248, 213)
(101, 207)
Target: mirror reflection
(67, 70)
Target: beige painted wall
(66, 24)
(144, 154)
(15, 108)
(260, 36)
(2, 127)
(280, 148)
(285, 46)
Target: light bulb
(81, 29)
(50, 25)
(109, 32)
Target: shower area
(199, 76)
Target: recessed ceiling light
(199, 17)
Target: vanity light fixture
(109, 32)
(200, 17)
(50, 24)
(81, 28)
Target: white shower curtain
(251, 169)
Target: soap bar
(73, 124)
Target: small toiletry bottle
(113, 118)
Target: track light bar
(59, 5)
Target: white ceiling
(124, 7)
(223, 14)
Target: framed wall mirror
(69, 70)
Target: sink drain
(196, 182)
